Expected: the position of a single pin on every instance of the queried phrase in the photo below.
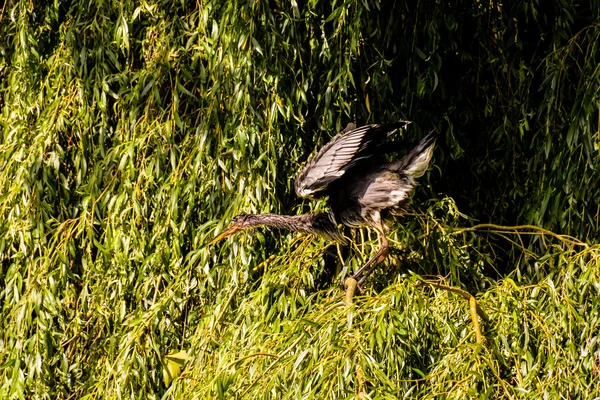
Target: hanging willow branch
(522, 230)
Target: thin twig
(259, 354)
(270, 367)
(463, 293)
(493, 228)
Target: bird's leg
(366, 270)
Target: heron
(363, 188)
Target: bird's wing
(415, 163)
(340, 154)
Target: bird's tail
(415, 163)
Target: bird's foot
(348, 281)
(359, 281)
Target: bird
(364, 189)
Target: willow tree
(132, 132)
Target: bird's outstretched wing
(340, 154)
(415, 163)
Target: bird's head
(240, 222)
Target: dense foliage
(133, 131)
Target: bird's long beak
(230, 230)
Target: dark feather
(415, 163)
(341, 154)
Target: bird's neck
(322, 224)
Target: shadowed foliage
(132, 132)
